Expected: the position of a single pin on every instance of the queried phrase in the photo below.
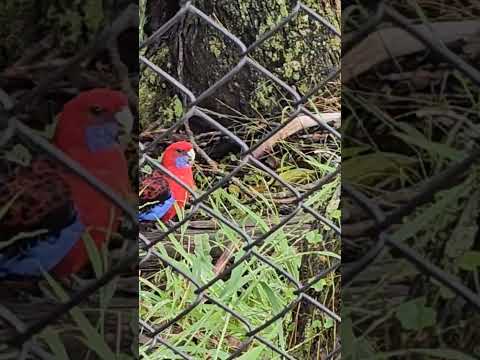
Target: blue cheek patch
(43, 254)
(182, 162)
(157, 211)
(101, 137)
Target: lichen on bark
(16, 28)
(24, 22)
(300, 53)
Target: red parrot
(159, 192)
(58, 206)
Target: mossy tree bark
(72, 24)
(301, 54)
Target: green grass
(400, 138)
(255, 202)
(89, 323)
(143, 20)
(254, 289)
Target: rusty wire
(156, 333)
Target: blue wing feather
(158, 211)
(44, 203)
(42, 255)
(155, 189)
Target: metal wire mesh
(158, 335)
(382, 229)
(21, 345)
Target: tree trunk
(196, 54)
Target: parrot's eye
(96, 110)
(180, 151)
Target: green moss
(298, 50)
(77, 21)
(94, 17)
(263, 98)
(154, 98)
(300, 54)
(14, 15)
(25, 22)
(295, 53)
(216, 46)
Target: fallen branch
(390, 43)
(299, 123)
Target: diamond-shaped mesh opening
(272, 14)
(296, 45)
(258, 240)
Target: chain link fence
(423, 36)
(19, 336)
(163, 335)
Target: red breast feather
(184, 174)
(109, 166)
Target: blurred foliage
(24, 23)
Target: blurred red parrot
(159, 192)
(58, 206)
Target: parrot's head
(98, 118)
(179, 155)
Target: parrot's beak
(125, 119)
(191, 156)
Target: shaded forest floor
(405, 120)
